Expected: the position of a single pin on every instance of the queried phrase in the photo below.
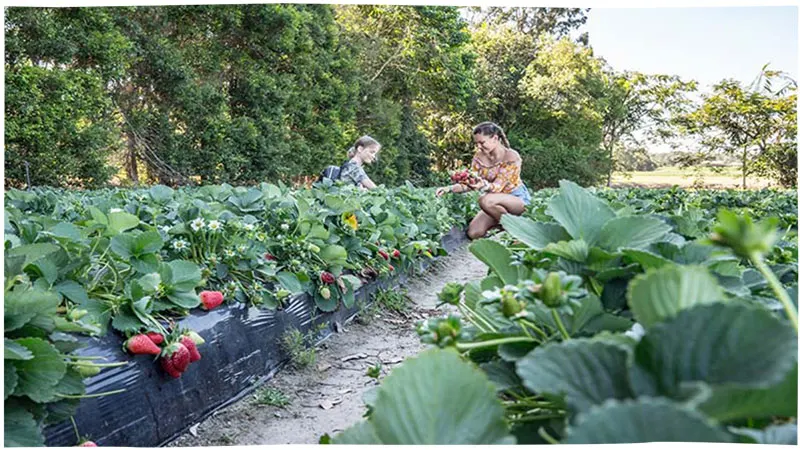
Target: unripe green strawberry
(195, 337)
(325, 293)
(76, 314)
(87, 370)
(282, 293)
(550, 293)
(511, 307)
(444, 329)
(313, 248)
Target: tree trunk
(744, 169)
(130, 158)
(611, 169)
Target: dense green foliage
(135, 260)
(644, 316)
(241, 94)
(756, 124)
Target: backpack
(330, 172)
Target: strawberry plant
(134, 261)
(603, 324)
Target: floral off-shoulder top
(503, 177)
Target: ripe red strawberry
(391, 268)
(175, 359)
(157, 338)
(211, 299)
(140, 344)
(383, 254)
(396, 253)
(87, 444)
(327, 278)
(187, 342)
(269, 257)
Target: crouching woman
(498, 167)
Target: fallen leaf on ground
(356, 356)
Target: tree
(637, 107)
(535, 22)
(414, 64)
(560, 126)
(634, 159)
(757, 125)
(58, 118)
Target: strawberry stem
(101, 394)
(97, 365)
(550, 439)
(777, 287)
(75, 427)
(476, 345)
(560, 324)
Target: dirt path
(327, 396)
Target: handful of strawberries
(176, 349)
(179, 349)
(465, 176)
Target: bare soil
(327, 396)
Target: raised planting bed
(242, 350)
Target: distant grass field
(725, 178)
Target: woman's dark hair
(491, 129)
(364, 142)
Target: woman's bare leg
(495, 205)
(480, 225)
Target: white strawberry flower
(197, 224)
(215, 225)
(230, 253)
(249, 227)
(636, 332)
(241, 248)
(180, 245)
(285, 226)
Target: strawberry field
(602, 313)
(128, 265)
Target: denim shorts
(522, 193)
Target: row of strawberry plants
(601, 324)
(135, 261)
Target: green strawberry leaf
(662, 293)
(643, 420)
(20, 428)
(39, 375)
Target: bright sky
(705, 44)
